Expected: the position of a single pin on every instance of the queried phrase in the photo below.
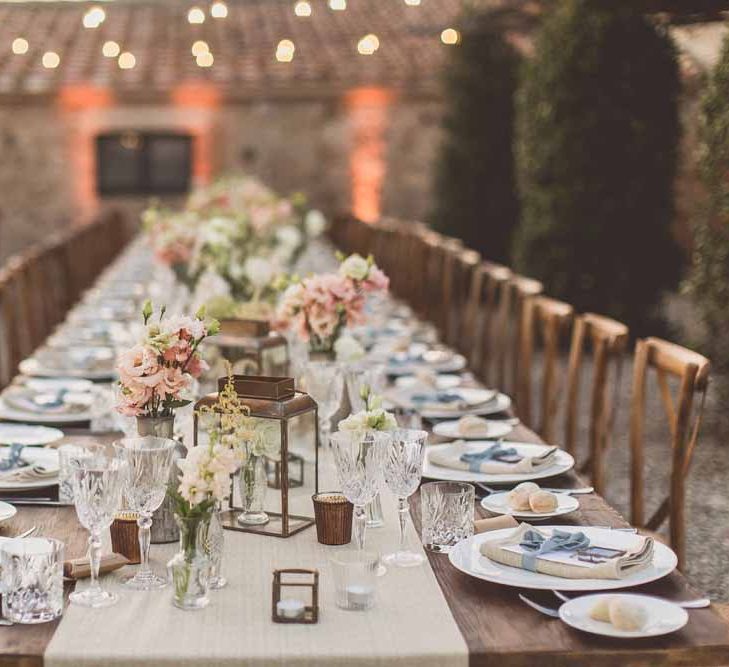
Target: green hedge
(474, 190)
(597, 135)
(709, 279)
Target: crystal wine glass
(149, 461)
(403, 469)
(325, 384)
(359, 457)
(98, 482)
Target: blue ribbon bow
(13, 460)
(537, 545)
(440, 397)
(475, 459)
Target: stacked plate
(49, 401)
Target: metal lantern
(271, 493)
(252, 347)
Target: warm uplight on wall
(196, 15)
(199, 47)
(205, 59)
(412, 3)
(368, 45)
(20, 46)
(51, 60)
(110, 49)
(219, 10)
(302, 8)
(450, 36)
(338, 5)
(285, 51)
(127, 60)
(94, 17)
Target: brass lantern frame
(247, 340)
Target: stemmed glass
(325, 384)
(359, 456)
(98, 481)
(149, 460)
(403, 469)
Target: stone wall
(47, 176)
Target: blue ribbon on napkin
(57, 401)
(440, 397)
(537, 545)
(496, 451)
(13, 460)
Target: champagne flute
(149, 461)
(325, 384)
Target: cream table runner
(411, 624)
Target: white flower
(289, 236)
(315, 223)
(259, 271)
(355, 422)
(348, 349)
(372, 420)
(354, 267)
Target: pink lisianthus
(376, 280)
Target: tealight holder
(287, 609)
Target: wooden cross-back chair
(692, 372)
(516, 290)
(608, 340)
(458, 327)
(482, 342)
(546, 319)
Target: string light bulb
(302, 8)
(368, 45)
(51, 60)
(20, 46)
(450, 36)
(285, 51)
(219, 10)
(110, 49)
(196, 15)
(205, 59)
(338, 5)
(412, 3)
(94, 17)
(127, 60)
(200, 47)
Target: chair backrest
(546, 320)
(458, 327)
(608, 340)
(691, 370)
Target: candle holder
(250, 344)
(295, 610)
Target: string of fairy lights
(285, 51)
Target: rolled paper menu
(494, 523)
(557, 553)
(487, 461)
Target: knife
(40, 502)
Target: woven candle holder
(333, 513)
(125, 536)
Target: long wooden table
(497, 627)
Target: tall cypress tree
(709, 278)
(474, 190)
(597, 137)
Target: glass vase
(189, 568)
(253, 484)
(213, 541)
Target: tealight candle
(360, 596)
(289, 608)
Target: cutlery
(39, 502)
(547, 611)
(699, 603)
(27, 533)
(570, 492)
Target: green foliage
(708, 282)
(597, 135)
(474, 190)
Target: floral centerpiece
(373, 418)
(319, 307)
(155, 374)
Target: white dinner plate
(455, 363)
(14, 414)
(44, 456)
(562, 463)
(467, 558)
(34, 368)
(480, 401)
(442, 381)
(495, 428)
(23, 434)
(58, 384)
(664, 616)
(498, 503)
(7, 511)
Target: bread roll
(518, 497)
(472, 425)
(601, 610)
(627, 615)
(543, 501)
